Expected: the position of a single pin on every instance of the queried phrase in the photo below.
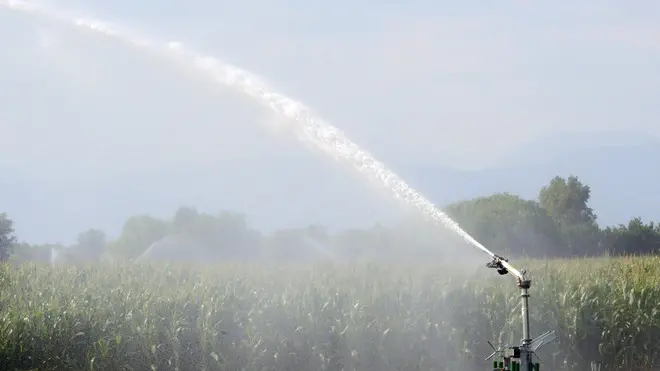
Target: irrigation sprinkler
(518, 358)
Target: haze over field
(151, 218)
(95, 131)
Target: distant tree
(91, 244)
(236, 237)
(227, 234)
(635, 238)
(567, 203)
(7, 238)
(185, 218)
(223, 236)
(93, 239)
(24, 252)
(510, 225)
(567, 199)
(138, 233)
(560, 223)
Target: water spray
(327, 138)
(299, 119)
(518, 358)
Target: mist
(286, 257)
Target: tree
(235, 237)
(7, 238)
(510, 225)
(92, 239)
(185, 218)
(226, 235)
(560, 223)
(138, 233)
(24, 252)
(635, 238)
(91, 244)
(566, 201)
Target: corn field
(364, 318)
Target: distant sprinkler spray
(327, 138)
(53, 256)
(298, 118)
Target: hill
(299, 192)
(618, 167)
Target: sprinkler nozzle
(496, 263)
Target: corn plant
(341, 317)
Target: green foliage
(634, 238)
(92, 239)
(566, 201)
(7, 238)
(254, 317)
(559, 224)
(510, 225)
(258, 317)
(138, 234)
(185, 219)
(24, 252)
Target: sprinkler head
(496, 263)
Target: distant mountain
(624, 181)
(565, 144)
(273, 194)
(623, 178)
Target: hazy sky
(430, 82)
(413, 82)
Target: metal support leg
(525, 348)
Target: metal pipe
(524, 294)
(525, 348)
(516, 273)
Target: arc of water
(298, 117)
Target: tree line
(559, 223)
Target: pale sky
(426, 81)
(418, 82)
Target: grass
(250, 317)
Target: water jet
(517, 358)
(327, 138)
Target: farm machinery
(520, 357)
